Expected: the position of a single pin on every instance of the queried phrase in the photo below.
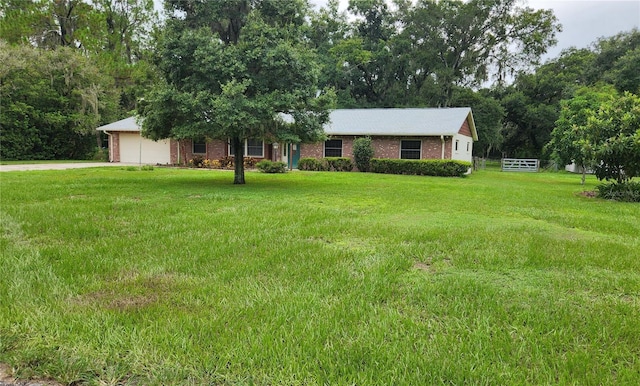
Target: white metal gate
(520, 165)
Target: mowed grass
(115, 276)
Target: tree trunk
(238, 161)
(584, 174)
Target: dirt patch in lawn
(7, 380)
(589, 194)
(130, 292)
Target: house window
(457, 142)
(199, 146)
(252, 148)
(333, 148)
(410, 149)
(468, 146)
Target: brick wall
(114, 145)
(448, 147)
(389, 147)
(312, 150)
(316, 150)
(216, 149)
(173, 152)
(384, 147)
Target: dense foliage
(312, 164)
(362, 153)
(69, 66)
(52, 101)
(267, 166)
(428, 167)
(334, 164)
(533, 103)
(226, 55)
(627, 191)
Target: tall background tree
(533, 102)
(100, 49)
(230, 69)
(51, 103)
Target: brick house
(411, 133)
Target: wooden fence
(520, 165)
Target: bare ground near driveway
(8, 380)
(60, 166)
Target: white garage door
(152, 152)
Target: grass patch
(33, 162)
(179, 277)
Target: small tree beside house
(601, 129)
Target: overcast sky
(583, 21)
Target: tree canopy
(52, 101)
(251, 60)
(231, 69)
(533, 102)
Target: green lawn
(32, 162)
(115, 276)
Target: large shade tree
(52, 101)
(233, 70)
(464, 43)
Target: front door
(295, 155)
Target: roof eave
(472, 126)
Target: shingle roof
(418, 122)
(400, 122)
(127, 124)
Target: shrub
(250, 162)
(362, 153)
(226, 162)
(267, 166)
(312, 164)
(211, 164)
(431, 167)
(196, 162)
(339, 164)
(620, 191)
(100, 154)
(146, 168)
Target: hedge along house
(411, 133)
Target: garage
(135, 149)
(127, 146)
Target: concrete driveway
(60, 166)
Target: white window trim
(400, 148)
(324, 147)
(246, 149)
(246, 146)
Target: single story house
(407, 133)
